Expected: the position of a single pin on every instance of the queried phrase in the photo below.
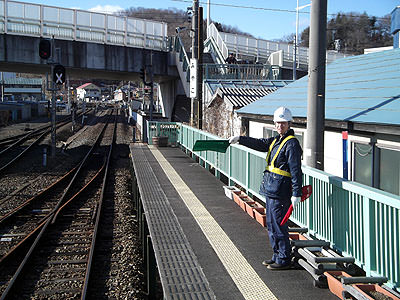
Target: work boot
(276, 266)
(268, 262)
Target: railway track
(58, 270)
(25, 179)
(64, 236)
(14, 148)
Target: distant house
(362, 98)
(224, 97)
(88, 92)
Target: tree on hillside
(175, 18)
(354, 32)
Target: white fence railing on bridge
(260, 50)
(29, 19)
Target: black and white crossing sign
(59, 74)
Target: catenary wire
(265, 8)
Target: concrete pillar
(167, 96)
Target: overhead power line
(264, 8)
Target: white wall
(333, 153)
(256, 129)
(333, 156)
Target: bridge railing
(183, 57)
(261, 49)
(237, 71)
(358, 220)
(63, 23)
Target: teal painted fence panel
(357, 220)
(168, 129)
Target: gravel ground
(124, 279)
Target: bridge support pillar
(167, 95)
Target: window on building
(269, 132)
(363, 160)
(300, 137)
(389, 170)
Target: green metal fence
(168, 129)
(358, 221)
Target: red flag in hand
(306, 192)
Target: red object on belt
(306, 192)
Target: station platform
(227, 243)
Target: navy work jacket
(289, 159)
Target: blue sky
(262, 23)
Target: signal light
(44, 49)
(143, 74)
(59, 74)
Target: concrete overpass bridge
(89, 45)
(96, 45)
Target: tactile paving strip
(180, 273)
(247, 280)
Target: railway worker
(281, 184)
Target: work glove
(234, 139)
(295, 200)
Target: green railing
(358, 221)
(183, 57)
(168, 129)
(237, 71)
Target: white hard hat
(282, 114)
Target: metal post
(151, 85)
(208, 14)
(68, 97)
(53, 114)
(151, 100)
(195, 46)
(151, 269)
(345, 159)
(314, 151)
(200, 70)
(295, 43)
(2, 87)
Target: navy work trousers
(275, 210)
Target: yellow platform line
(246, 279)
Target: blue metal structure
(362, 89)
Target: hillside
(346, 32)
(175, 18)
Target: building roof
(22, 81)
(240, 97)
(240, 93)
(362, 88)
(213, 85)
(84, 85)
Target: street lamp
(296, 38)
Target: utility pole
(151, 86)
(68, 97)
(200, 69)
(314, 151)
(208, 13)
(295, 43)
(195, 49)
(2, 87)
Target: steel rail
(49, 218)
(98, 215)
(36, 197)
(19, 137)
(16, 158)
